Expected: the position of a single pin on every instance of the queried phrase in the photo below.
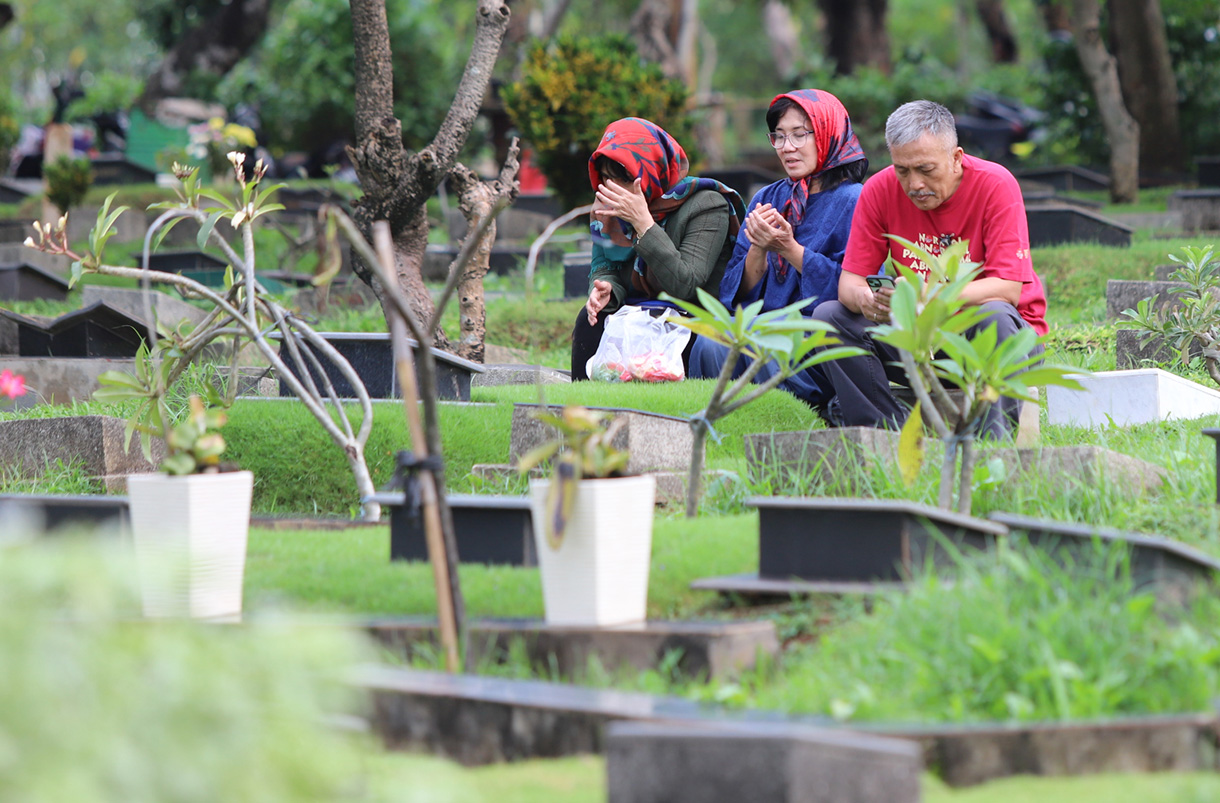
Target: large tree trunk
(1056, 15)
(214, 46)
(1122, 131)
(396, 183)
(665, 31)
(1150, 89)
(999, 34)
(780, 28)
(856, 34)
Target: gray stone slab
(1200, 209)
(1164, 273)
(1134, 348)
(498, 375)
(479, 720)
(682, 762)
(96, 441)
(511, 225)
(130, 227)
(707, 649)
(169, 310)
(16, 253)
(59, 380)
(1087, 465)
(1067, 178)
(652, 441)
(820, 454)
(1029, 425)
(1122, 294)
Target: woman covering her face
(655, 228)
(792, 242)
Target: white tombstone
(1130, 397)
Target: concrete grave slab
(1089, 465)
(1134, 348)
(1200, 209)
(653, 441)
(13, 192)
(820, 454)
(60, 380)
(1122, 294)
(15, 230)
(130, 227)
(1067, 178)
(1055, 224)
(494, 376)
(1138, 396)
(50, 513)
(17, 253)
(684, 762)
(96, 441)
(1029, 424)
(710, 649)
(169, 310)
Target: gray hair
(910, 121)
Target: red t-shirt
(987, 210)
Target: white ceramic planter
(190, 539)
(599, 575)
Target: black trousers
(586, 339)
(862, 384)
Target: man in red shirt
(933, 195)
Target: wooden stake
(405, 364)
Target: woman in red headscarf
(792, 242)
(655, 228)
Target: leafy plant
(10, 127)
(928, 324)
(242, 309)
(782, 336)
(68, 181)
(584, 448)
(1197, 321)
(572, 88)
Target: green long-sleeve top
(689, 250)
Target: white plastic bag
(637, 347)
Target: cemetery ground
(1045, 643)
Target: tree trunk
(780, 29)
(665, 33)
(856, 34)
(397, 184)
(999, 34)
(1122, 130)
(1056, 15)
(214, 46)
(1150, 89)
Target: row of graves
(660, 748)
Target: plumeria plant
(928, 324)
(11, 385)
(783, 336)
(242, 313)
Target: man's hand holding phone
(876, 307)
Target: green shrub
(68, 180)
(98, 706)
(10, 127)
(571, 89)
(1013, 636)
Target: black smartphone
(879, 280)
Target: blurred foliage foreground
(99, 705)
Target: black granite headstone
(26, 282)
(119, 170)
(495, 530)
(15, 231)
(1067, 178)
(1208, 171)
(98, 330)
(372, 357)
(1054, 225)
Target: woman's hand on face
(599, 297)
(767, 229)
(626, 203)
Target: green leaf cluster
(572, 88)
(68, 180)
(1195, 322)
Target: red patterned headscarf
(836, 143)
(650, 154)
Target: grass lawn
(582, 779)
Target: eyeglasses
(797, 138)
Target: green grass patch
(349, 571)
